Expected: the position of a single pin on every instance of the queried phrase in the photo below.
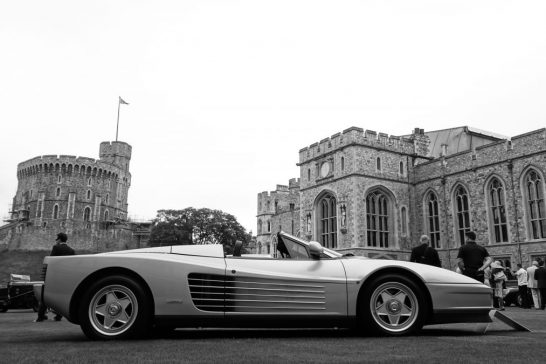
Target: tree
(197, 226)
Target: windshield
(291, 247)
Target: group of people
(474, 261)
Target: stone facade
(372, 194)
(277, 210)
(84, 197)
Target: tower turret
(116, 153)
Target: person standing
(59, 249)
(473, 258)
(540, 276)
(532, 284)
(497, 271)
(521, 274)
(424, 253)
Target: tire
(392, 305)
(115, 307)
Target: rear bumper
(454, 302)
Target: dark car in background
(512, 296)
(18, 293)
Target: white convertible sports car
(128, 293)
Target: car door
(286, 290)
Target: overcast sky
(223, 94)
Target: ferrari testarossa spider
(127, 294)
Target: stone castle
(374, 195)
(84, 197)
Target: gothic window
(497, 210)
(58, 192)
(269, 226)
(87, 214)
(401, 169)
(88, 194)
(107, 198)
(433, 219)
(89, 182)
(268, 205)
(462, 213)
(55, 212)
(377, 219)
(106, 215)
(308, 174)
(534, 195)
(276, 207)
(378, 164)
(59, 179)
(342, 164)
(327, 221)
(259, 227)
(404, 220)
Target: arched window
(462, 213)
(377, 219)
(401, 169)
(534, 195)
(433, 219)
(55, 212)
(259, 227)
(378, 163)
(269, 226)
(327, 221)
(404, 220)
(497, 210)
(308, 174)
(88, 194)
(106, 215)
(342, 164)
(87, 214)
(58, 192)
(89, 181)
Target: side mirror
(315, 249)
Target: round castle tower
(79, 195)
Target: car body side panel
(165, 274)
(449, 291)
(286, 287)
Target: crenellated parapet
(503, 151)
(67, 164)
(414, 145)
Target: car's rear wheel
(115, 308)
(392, 305)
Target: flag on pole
(121, 101)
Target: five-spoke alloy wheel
(114, 308)
(393, 305)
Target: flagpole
(117, 124)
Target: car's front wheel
(115, 307)
(392, 305)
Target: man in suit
(60, 248)
(540, 276)
(532, 284)
(425, 254)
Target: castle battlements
(358, 136)
(501, 151)
(50, 163)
